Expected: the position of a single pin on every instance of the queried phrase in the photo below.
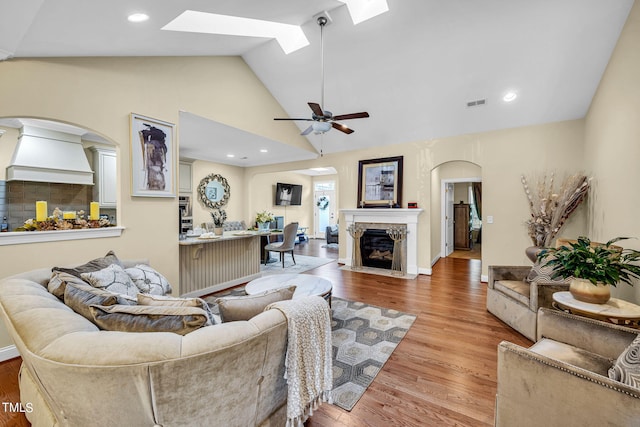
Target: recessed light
(319, 169)
(509, 96)
(231, 155)
(138, 17)
(264, 150)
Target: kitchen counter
(213, 264)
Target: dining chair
(287, 245)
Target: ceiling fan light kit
(323, 120)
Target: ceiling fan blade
(287, 118)
(341, 128)
(362, 115)
(307, 131)
(317, 110)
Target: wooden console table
(615, 310)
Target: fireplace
(382, 219)
(376, 248)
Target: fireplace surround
(381, 219)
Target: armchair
(562, 379)
(515, 293)
(331, 234)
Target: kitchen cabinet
(185, 177)
(105, 190)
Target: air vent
(476, 103)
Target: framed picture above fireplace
(380, 183)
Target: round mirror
(214, 191)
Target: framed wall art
(380, 182)
(153, 157)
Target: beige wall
(612, 144)
(502, 156)
(262, 187)
(99, 94)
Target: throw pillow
(79, 297)
(543, 273)
(113, 279)
(54, 286)
(59, 281)
(626, 369)
(161, 300)
(245, 307)
(144, 318)
(148, 280)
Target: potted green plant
(593, 267)
(219, 216)
(263, 219)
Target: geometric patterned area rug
(364, 336)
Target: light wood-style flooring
(443, 373)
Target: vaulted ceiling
(414, 68)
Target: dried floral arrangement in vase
(550, 207)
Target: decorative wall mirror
(213, 191)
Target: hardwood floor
(443, 373)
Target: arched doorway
(456, 210)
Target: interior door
(449, 220)
(324, 211)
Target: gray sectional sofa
(74, 374)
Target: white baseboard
(434, 260)
(9, 352)
(484, 278)
(426, 271)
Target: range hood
(45, 155)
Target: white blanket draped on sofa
(309, 358)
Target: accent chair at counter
(287, 245)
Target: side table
(615, 310)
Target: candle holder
(356, 232)
(397, 234)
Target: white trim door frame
(446, 199)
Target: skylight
(361, 10)
(290, 37)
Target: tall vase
(532, 252)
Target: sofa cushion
(145, 318)
(515, 289)
(148, 280)
(626, 369)
(572, 355)
(80, 296)
(57, 288)
(235, 308)
(113, 279)
(161, 300)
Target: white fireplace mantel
(409, 217)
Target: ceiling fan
(323, 120)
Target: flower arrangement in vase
(263, 219)
(219, 216)
(593, 267)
